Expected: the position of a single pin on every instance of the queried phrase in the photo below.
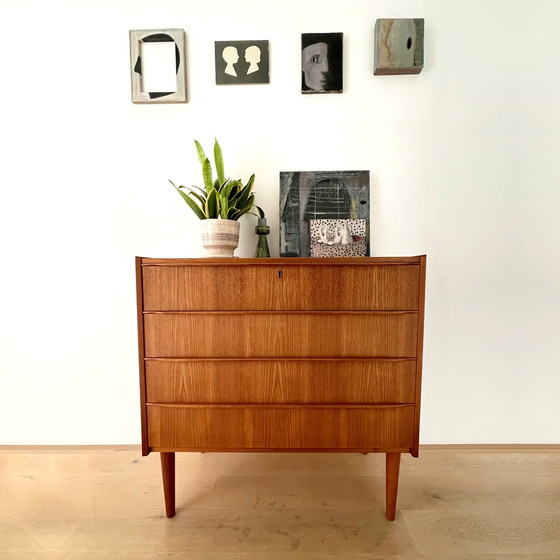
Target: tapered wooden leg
(168, 475)
(392, 465)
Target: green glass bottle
(262, 230)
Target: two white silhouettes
(231, 56)
(343, 236)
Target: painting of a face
(315, 64)
(321, 63)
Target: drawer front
(222, 288)
(282, 381)
(239, 428)
(291, 335)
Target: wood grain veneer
(313, 287)
(281, 355)
(288, 334)
(280, 381)
(223, 427)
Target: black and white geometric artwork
(321, 63)
(242, 62)
(320, 195)
(157, 65)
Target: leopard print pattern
(329, 240)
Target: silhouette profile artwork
(231, 56)
(321, 63)
(242, 62)
(253, 57)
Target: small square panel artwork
(241, 62)
(320, 195)
(338, 238)
(321, 63)
(399, 46)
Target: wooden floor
(453, 505)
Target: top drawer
(280, 287)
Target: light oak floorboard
(452, 505)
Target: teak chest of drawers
(281, 354)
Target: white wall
(464, 167)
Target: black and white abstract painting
(321, 63)
(319, 195)
(242, 62)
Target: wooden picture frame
(140, 39)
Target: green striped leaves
(219, 161)
(220, 198)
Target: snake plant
(220, 198)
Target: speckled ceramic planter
(220, 238)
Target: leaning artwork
(242, 62)
(321, 63)
(322, 195)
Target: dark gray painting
(319, 195)
(321, 63)
(241, 62)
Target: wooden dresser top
(284, 261)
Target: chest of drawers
(277, 355)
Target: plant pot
(220, 238)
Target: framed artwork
(157, 66)
(321, 63)
(242, 62)
(399, 46)
(338, 238)
(320, 195)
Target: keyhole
(409, 43)
(279, 274)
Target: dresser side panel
(419, 353)
(141, 355)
